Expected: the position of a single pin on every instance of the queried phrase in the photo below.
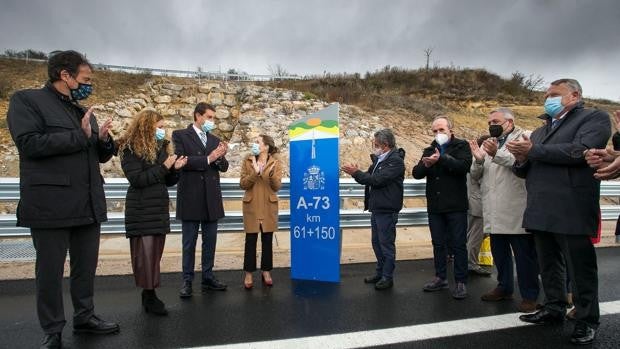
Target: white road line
(401, 334)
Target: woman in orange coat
(261, 178)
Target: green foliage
(310, 95)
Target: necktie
(554, 123)
(203, 139)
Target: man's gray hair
(445, 117)
(572, 84)
(386, 137)
(507, 112)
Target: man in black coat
(445, 165)
(61, 190)
(563, 203)
(199, 196)
(383, 197)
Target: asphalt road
(299, 309)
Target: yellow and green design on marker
(321, 129)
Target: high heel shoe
(267, 281)
(248, 284)
(152, 304)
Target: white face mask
(378, 151)
(442, 138)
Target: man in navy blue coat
(563, 204)
(199, 195)
(383, 197)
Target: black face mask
(495, 130)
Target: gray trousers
(51, 246)
(475, 236)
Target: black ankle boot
(152, 304)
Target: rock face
(244, 111)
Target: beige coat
(260, 201)
(503, 193)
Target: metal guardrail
(116, 189)
(211, 75)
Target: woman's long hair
(140, 136)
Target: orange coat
(260, 201)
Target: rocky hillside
(245, 110)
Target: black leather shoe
(384, 284)
(583, 334)
(51, 340)
(372, 279)
(97, 326)
(542, 316)
(186, 290)
(213, 284)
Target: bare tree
(428, 51)
(534, 83)
(530, 83)
(277, 70)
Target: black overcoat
(199, 195)
(60, 182)
(147, 203)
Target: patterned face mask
(82, 91)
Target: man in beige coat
(503, 203)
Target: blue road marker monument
(315, 198)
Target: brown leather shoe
(495, 295)
(527, 306)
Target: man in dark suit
(61, 190)
(563, 204)
(199, 196)
(445, 165)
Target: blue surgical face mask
(160, 134)
(255, 149)
(553, 106)
(82, 91)
(208, 126)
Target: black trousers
(249, 257)
(556, 254)
(51, 246)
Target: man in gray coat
(475, 225)
(563, 204)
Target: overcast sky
(551, 38)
